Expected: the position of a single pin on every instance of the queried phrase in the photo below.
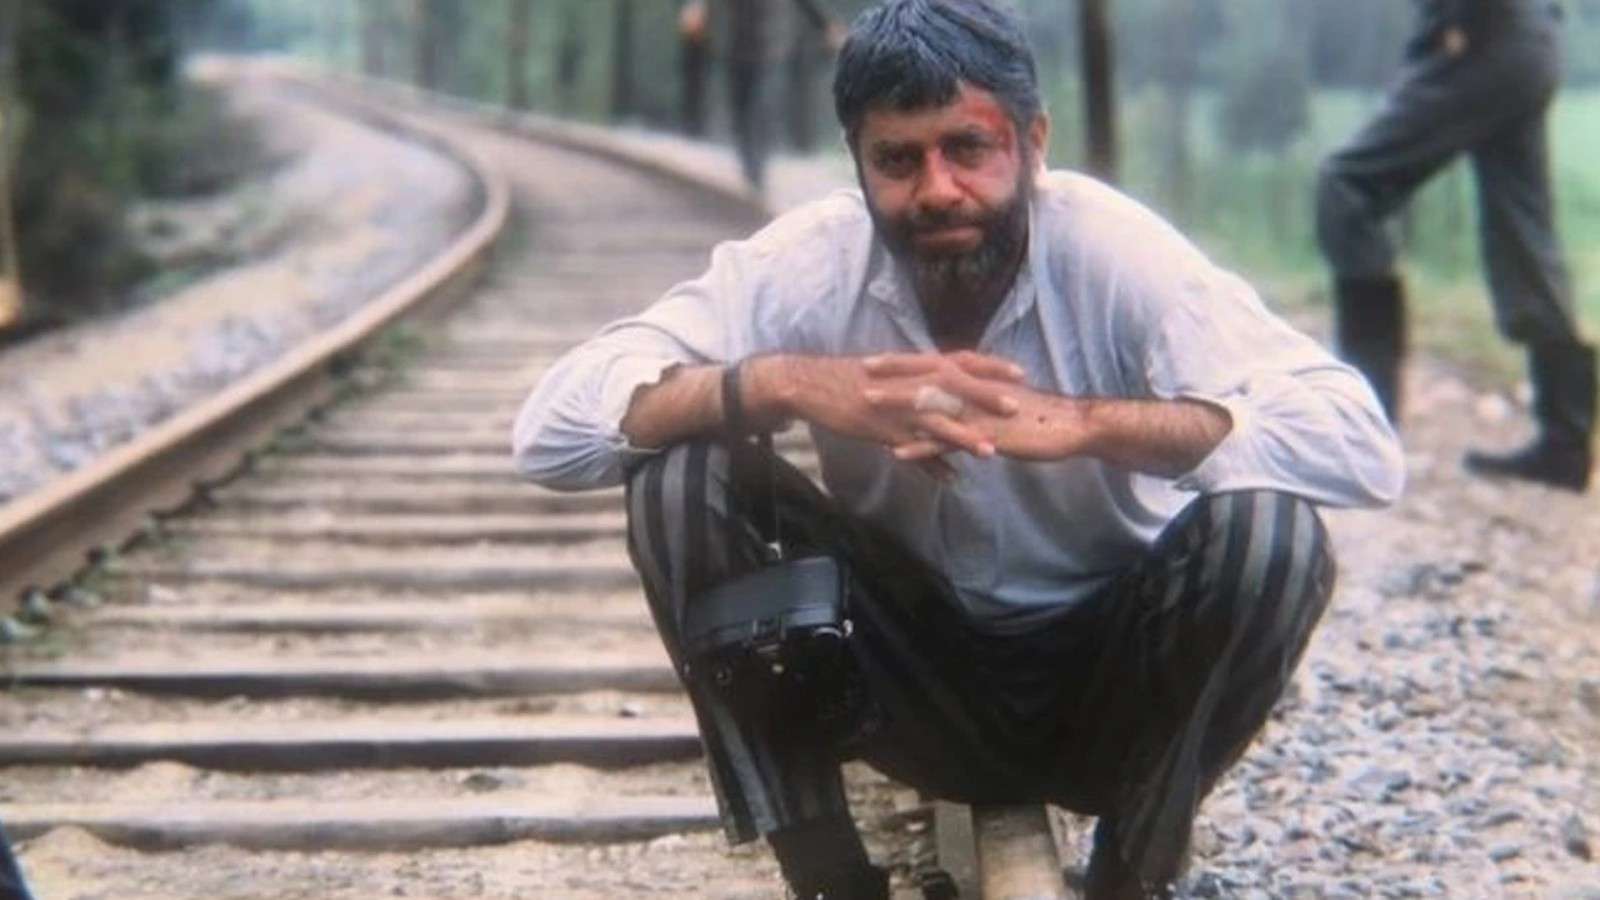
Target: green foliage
(105, 119)
(1226, 106)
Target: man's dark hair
(912, 54)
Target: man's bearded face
(949, 190)
(943, 273)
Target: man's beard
(953, 287)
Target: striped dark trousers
(1128, 707)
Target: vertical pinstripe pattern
(683, 541)
(1129, 706)
(1262, 589)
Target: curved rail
(46, 536)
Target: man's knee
(677, 522)
(1265, 552)
(681, 479)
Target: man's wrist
(769, 388)
(1072, 426)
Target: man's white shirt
(1110, 301)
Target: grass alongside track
(1254, 214)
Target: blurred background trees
(1216, 113)
(95, 115)
(1221, 107)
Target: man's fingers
(980, 365)
(977, 365)
(930, 398)
(919, 398)
(948, 431)
(993, 398)
(894, 365)
(919, 450)
(928, 456)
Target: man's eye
(896, 163)
(968, 152)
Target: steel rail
(47, 536)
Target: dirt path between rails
(352, 210)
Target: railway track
(373, 663)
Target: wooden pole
(622, 87)
(11, 307)
(424, 60)
(1178, 71)
(518, 26)
(372, 38)
(1099, 88)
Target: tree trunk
(517, 36)
(568, 64)
(1099, 88)
(622, 87)
(373, 63)
(802, 93)
(425, 61)
(332, 26)
(11, 308)
(1179, 68)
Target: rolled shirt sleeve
(1302, 421)
(568, 434)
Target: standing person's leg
(1531, 291)
(1195, 647)
(1440, 108)
(693, 59)
(748, 96)
(12, 886)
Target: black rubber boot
(861, 883)
(1370, 330)
(1109, 876)
(1563, 377)
(824, 859)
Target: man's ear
(1039, 139)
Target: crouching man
(1071, 474)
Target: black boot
(1563, 377)
(824, 859)
(1110, 877)
(1370, 330)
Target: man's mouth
(950, 238)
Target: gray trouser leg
(1527, 276)
(1489, 104)
(750, 98)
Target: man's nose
(937, 188)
